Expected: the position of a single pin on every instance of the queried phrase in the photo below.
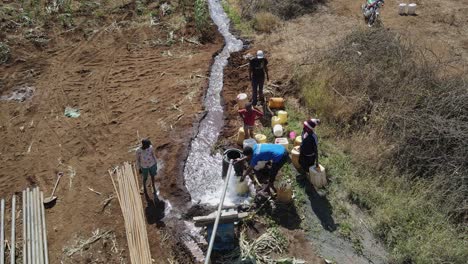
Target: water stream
(202, 171)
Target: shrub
(265, 22)
(4, 53)
(385, 86)
(202, 18)
(285, 9)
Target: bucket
(260, 138)
(241, 187)
(283, 142)
(240, 136)
(275, 121)
(295, 157)
(232, 154)
(278, 130)
(317, 178)
(298, 141)
(283, 116)
(402, 9)
(249, 142)
(276, 103)
(412, 9)
(283, 192)
(241, 100)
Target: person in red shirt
(249, 114)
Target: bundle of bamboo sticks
(132, 210)
(34, 228)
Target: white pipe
(13, 230)
(36, 233)
(2, 232)
(39, 227)
(33, 229)
(24, 226)
(44, 230)
(28, 223)
(218, 214)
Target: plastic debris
(72, 112)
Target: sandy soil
(126, 89)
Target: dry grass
(265, 22)
(406, 127)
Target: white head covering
(260, 54)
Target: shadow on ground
(320, 205)
(154, 211)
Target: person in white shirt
(146, 163)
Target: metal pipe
(36, 235)
(28, 223)
(13, 230)
(23, 198)
(39, 226)
(44, 231)
(218, 214)
(33, 230)
(2, 232)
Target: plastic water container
(412, 9)
(241, 100)
(292, 135)
(276, 103)
(283, 192)
(232, 154)
(275, 121)
(278, 130)
(240, 136)
(283, 142)
(283, 116)
(295, 157)
(241, 187)
(249, 142)
(402, 9)
(316, 177)
(260, 138)
(298, 141)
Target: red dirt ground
(126, 89)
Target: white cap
(260, 54)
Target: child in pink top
(249, 115)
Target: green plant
(244, 25)
(4, 53)
(202, 19)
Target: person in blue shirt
(274, 154)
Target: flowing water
(202, 169)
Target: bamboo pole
(13, 230)
(23, 198)
(126, 188)
(44, 230)
(2, 232)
